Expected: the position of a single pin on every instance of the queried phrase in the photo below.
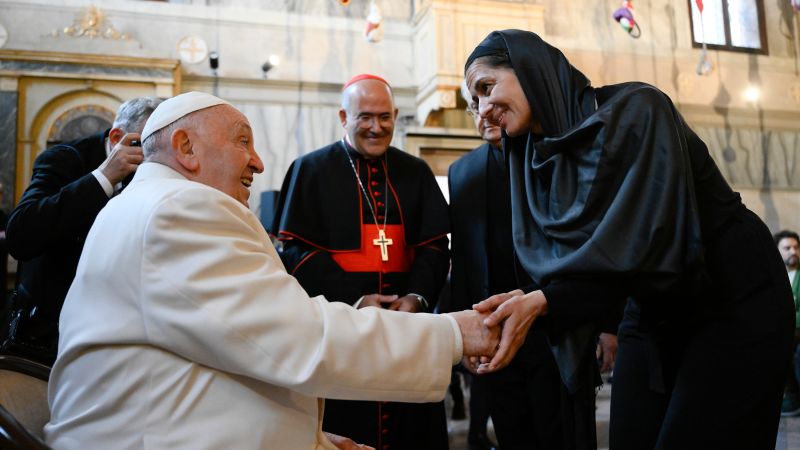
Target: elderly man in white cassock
(182, 330)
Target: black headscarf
(559, 95)
(607, 190)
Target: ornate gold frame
(28, 78)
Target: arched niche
(62, 118)
(79, 122)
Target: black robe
(529, 404)
(320, 212)
(619, 198)
(320, 207)
(45, 233)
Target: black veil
(605, 194)
(607, 190)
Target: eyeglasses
(367, 120)
(472, 110)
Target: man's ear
(343, 117)
(182, 146)
(115, 135)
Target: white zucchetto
(176, 107)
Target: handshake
(496, 328)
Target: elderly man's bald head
(368, 114)
(364, 86)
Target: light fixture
(752, 94)
(273, 61)
(213, 61)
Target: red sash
(368, 257)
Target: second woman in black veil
(614, 197)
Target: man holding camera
(71, 183)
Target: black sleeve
(609, 322)
(60, 204)
(318, 273)
(579, 299)
(429, 270)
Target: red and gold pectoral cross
(383, 243)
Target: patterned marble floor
(789, 434)
(457, 429)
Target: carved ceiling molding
(91, 23)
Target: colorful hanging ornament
(374, 30)
(624, 17)
(344, 2)
(704, 66)
(796, 29)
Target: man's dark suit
(45, 233)
(529, 404)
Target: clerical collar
(351, 150)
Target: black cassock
(331, 246)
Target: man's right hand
(343, 443)
(479, 340)
(376, 300)
(123, 160)
(515, 311)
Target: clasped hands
(492, 331)
(496, 328)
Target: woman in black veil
(613, 198)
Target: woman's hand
(516, 311)
(606, 351)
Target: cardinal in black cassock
(366, 224)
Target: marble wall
(755, 159)
(321, 44)
(36, 89)
(313, 45)
(282, 133)
(763, 166)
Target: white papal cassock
(182, 330)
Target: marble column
(8, 147)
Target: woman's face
(500, 98)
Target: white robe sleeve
(216, 292)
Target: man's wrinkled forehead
(367, 92)
(242, 126)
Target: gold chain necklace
(381, 241)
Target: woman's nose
(484, 107)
